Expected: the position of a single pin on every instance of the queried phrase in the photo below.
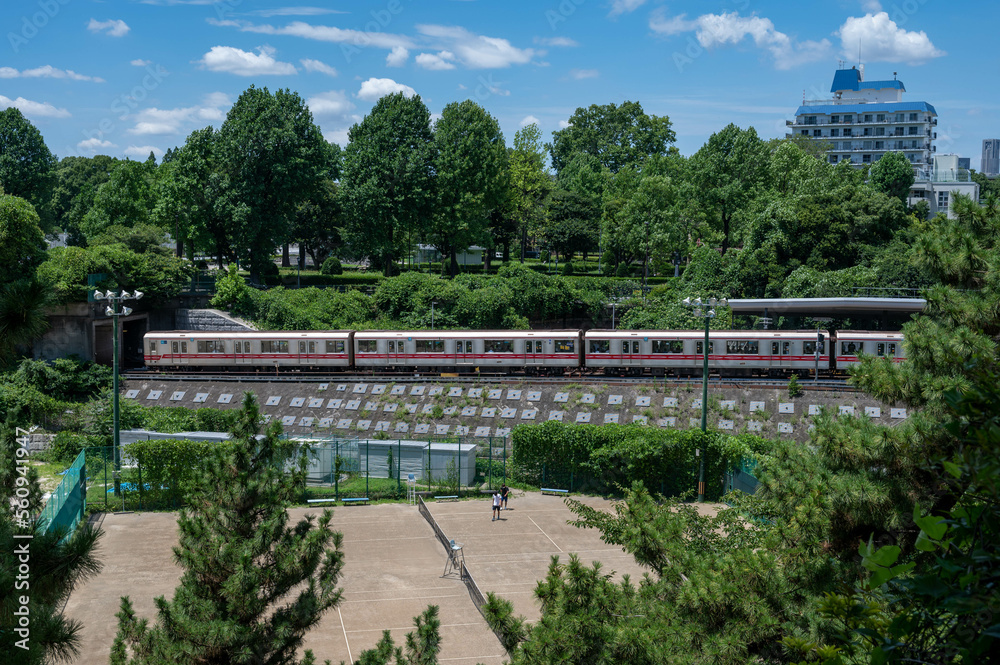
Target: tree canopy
(26, 164)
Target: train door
(464, 354)
(533, 352)
(780, 352)
(241, 352)
(630, 353)
(394, 351)
(179, 351)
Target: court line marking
(402, 598)
(546, 535)
(347, 642)
(410, 627)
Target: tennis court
(392, 571)
(509, 556)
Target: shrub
(568, 270)
(794, 389)
(332, 266)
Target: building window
(848, 118)
(834, 118)
(817, 132)
(804, 132)
(834, 132)
(942, 201)
(833, 159)
(866, 145)
(868, 131)
(866, 159)
(899, 131)
(914, 144)
(880, 145)
(913, 117)
(913, 131)
(880, 117)
(900, 116)
(848, 146)
(811, 120)
(847, 131)
(880, 131)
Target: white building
(866, 119)
(939, 185)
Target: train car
(679, 352)
(502, 351)
(851, 343)
(248, 350)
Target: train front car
(851, 343)
(467, 351)
(248, 351)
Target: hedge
(608, 457)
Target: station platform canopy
(827, 307)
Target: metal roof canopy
(837, 307)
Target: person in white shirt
(496, 506)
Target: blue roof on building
(890, 107)
(850, 79)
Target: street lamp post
(432, 314)
(704, 310)
(115, 310)
(645, 262)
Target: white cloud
(556, 41)
(397, 57)
(580, 74)
(529, 120)
(318, 67)
(94, 145)
(33, 109)
(334, 103)
(323, 33)
(563, 124)
(139, 62)
(881, 39)
(242, 63)
(155, 121)
(112, 27)
(46, 71)
(142, 151)
(338, 136)
(625, 6)
(716, 30)
(295, 11)
(477, 51)
(374, 89)
(436, 61)
(871, 6)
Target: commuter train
(531, 352)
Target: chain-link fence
(68, 503)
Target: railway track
(832, 385)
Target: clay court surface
(392, 571)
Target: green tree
(22, 243)
(529, 183)
(471, 176)
(387, 180)
(76, 182)
(125, 199)
(56, 564)
(730, 170)
(272, 158)
(26, 165)
(892, 175)
(318, 222)
(618, 136)
(572, 223)
(23, 318)
(253, 584)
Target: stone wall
(209, 319)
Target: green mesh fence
(67, 504)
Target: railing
(885, 292)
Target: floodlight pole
(706, 311)
(115, 310)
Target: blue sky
(124, 77)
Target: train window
(881, 349)
(625, 346)
(279, 346)
(312, 347)
(892, 350)
(302, 347)
(237, 347)
(742, 346)
(538, 346)
(630, 347)
(210, 346)
(565, 346)
(152, 346)
(391, 346)
(334, 346)
(781, 348)
(668, 346)
(850, 348)
(460, 346)
(698, 348)
(600, 346)
(173, 346)
(367, 346)
(184, 347)
(498, 346)
(810, 347)
(430, 346)
(533, 346)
